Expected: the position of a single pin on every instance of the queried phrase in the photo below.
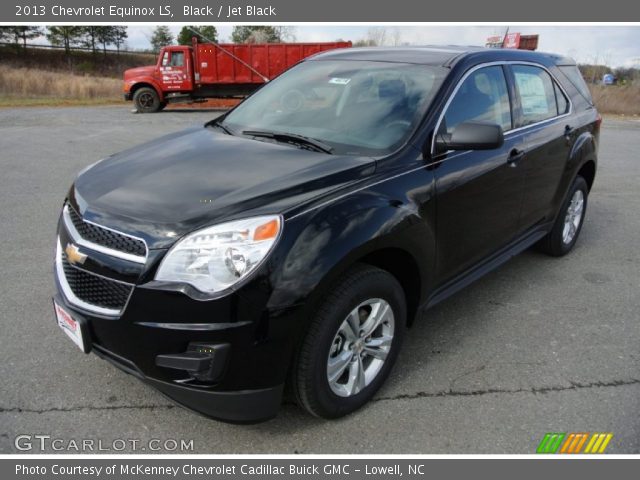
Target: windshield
(355, 107)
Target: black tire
(146, 100)
(555, 243)
(309, 382)
(163, 105)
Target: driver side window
(177, 59)
(482, 97)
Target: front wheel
(352, 343)
(146, 100)
(561, 239)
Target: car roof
(445, 55)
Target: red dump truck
(186, 73)
(513, 40)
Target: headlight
(215, 258)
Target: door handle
(568, 130)
(515, 156)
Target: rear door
(549, 133)
(479, 192)
(175, 70)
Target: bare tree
(286, 33)
(363, 42)
(396, 37)
(119, 37)
(377, 36)
(258, 36)
(255, 34)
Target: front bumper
(245, 405)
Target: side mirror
(471, 136)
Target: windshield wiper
(291, 138)
(217, 124)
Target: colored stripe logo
(574, 442)
(598, 443)
(550, 443)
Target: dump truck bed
(220, 63)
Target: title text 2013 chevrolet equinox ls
(295, 238)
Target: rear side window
(537, 94)
(482, 97)
(561, 100)
(575, 77)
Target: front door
(175, 70)
(479, 192)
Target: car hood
(170, 186)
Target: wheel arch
(588, 172)
(404, 268)
(398, 261)
(582, 160)
(142, 84)
(393, 240)
(583, 155)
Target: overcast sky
(615, 46)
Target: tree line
(162, 35)
(92, 37)
(99, 38)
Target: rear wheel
(146, 100)
(352, 343)
(561, 239)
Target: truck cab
(151, 87)
(175, 68)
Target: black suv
(295, 238)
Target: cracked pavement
(539, 345)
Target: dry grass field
(618, 100)
(27, 86)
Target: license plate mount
(74, 327)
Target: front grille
(106, 238)
(95, 290)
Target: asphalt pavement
(540, 345)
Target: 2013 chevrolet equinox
(297, 236)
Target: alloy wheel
(360, 347)
(573, 217)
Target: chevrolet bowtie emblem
(73, 254)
